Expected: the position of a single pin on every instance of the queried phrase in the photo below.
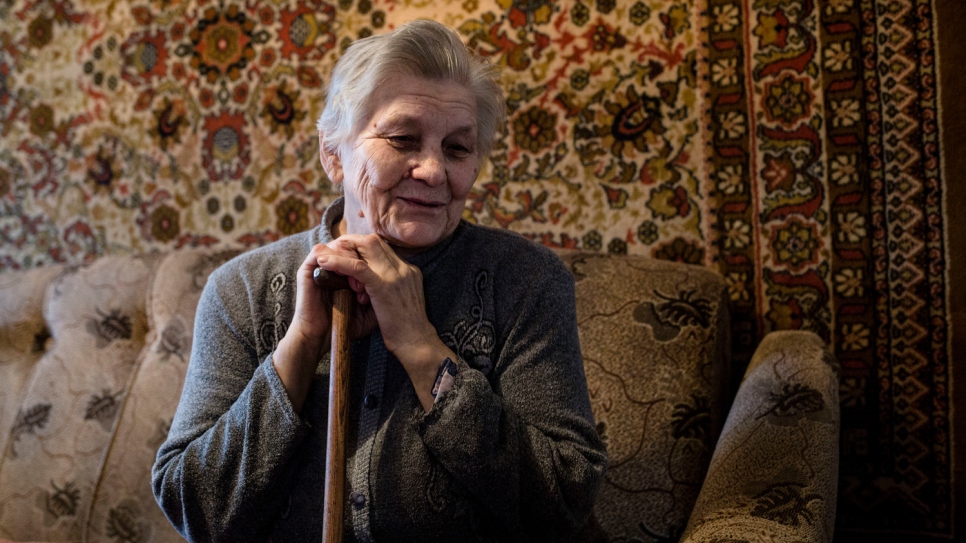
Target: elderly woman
(504, 450)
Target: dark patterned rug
(840, 100)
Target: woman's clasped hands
(389, 297)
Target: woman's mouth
(428, 204)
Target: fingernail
(322, 260)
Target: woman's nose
(430, 168)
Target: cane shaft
(338, 418)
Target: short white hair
(420, 48)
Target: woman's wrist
(422, 363)
(295, 359)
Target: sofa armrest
(654, 340)
(773, 475)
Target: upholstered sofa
(92, 361)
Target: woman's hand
(309, 335)
(393, 289)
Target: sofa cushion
(23, 337)
(67, 412)
(125, 507)
(654, 341)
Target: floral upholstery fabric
(125, 508)
(654, 341)
(67, 412)
(775, 469)
(23, 337)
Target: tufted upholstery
(94, 403)
(66, 414)
(124, 503)
(23, 337)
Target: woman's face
(408, 171)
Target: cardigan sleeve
(522, 440)
(216, 477)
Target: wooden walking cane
(338, 404)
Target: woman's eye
(402, 141)
(459, 150)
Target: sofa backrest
(65, 420)
(124, 505)
(23, 337)
(91, 413)
(99, 402)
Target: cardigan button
(357, 499)
(371, 401)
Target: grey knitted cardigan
(509, 454)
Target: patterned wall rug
(791, 144)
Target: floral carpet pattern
(790, 144)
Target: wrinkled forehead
(417, 103)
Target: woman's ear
(330, 163)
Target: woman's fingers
(371, 249)
(375, 267)
(353, 267)
(368, 261)
(381, 278)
